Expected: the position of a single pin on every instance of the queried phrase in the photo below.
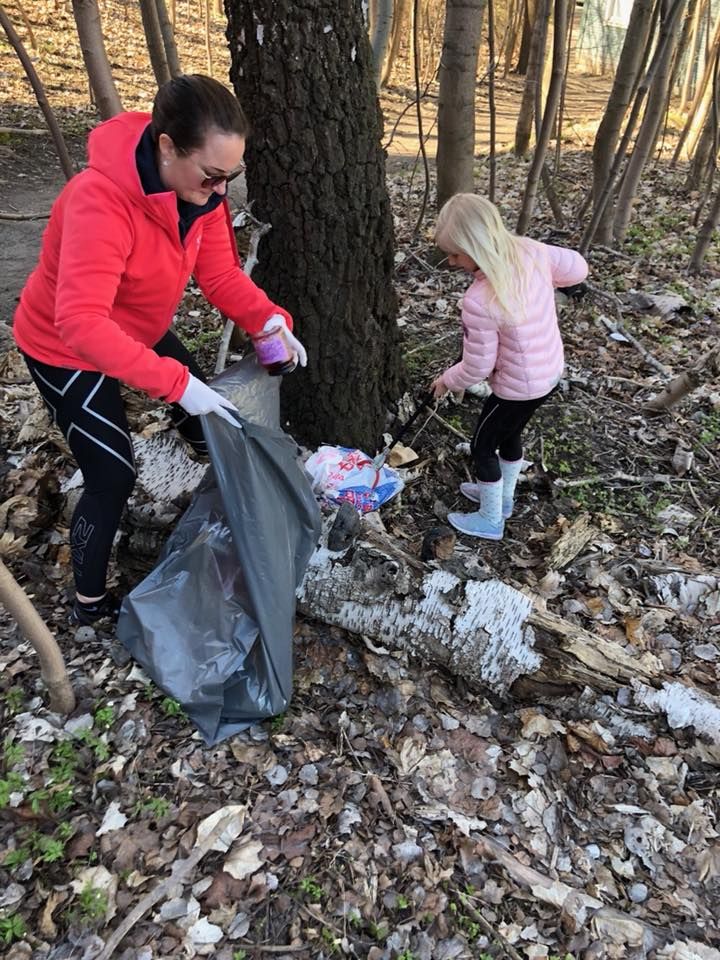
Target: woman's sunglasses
(217, 179)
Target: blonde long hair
(472, 225)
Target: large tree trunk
(533, 77)
(704, 158)
(381, 29)
(92, 44)
(316, 173)
(549, 114)
(649, 129)
(630, 64)
(154, 41)
(456, 104)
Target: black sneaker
(85, 614)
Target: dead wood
(673, 392)
(52, 665)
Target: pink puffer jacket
(522, 359)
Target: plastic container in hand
(273, 352)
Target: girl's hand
(438, 388)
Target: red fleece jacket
(112, 271)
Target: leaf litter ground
(360, 814)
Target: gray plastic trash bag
(212, 624)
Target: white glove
(277, 320)
(199, 398)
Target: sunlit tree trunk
(456, 105)
(533, 77)
(529, 13)
(550, 113)
(629, 67)
(648, 132)
(701, 102)
(168, 35)
(316, 173)
(92, 44)
(154, 41)
(400, 17)
(380, 37)
(693, 48)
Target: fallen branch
(614, 326)
(477, 627)
(23, 216)
(52, 665)
(617, 327)
(673, 392)
(579, 909)
(182, 869)
(22, 131)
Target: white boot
(510, 470)
(487, 522)
(510, 473)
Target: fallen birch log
(481, 629)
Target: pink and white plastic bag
(341, 474)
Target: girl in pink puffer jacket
(511, 337)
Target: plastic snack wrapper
(342, 474)
(212, 624)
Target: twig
(258, 233)
(450, 427)
(617, 327)
(181, 873)
(273, 947)
(488, 929)
(23, 216)
(23, 131)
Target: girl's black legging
(499, 430)
(88, 409)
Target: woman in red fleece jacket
(124, 236)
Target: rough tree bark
(39, 91)
(456, 103)
(154, 41)
(381, 29)
(650, 126)
(92, 44)
(533, 77)
(549, 114)
(316, 173)
(630, 64)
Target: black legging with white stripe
(88, 409)
(499, 430)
